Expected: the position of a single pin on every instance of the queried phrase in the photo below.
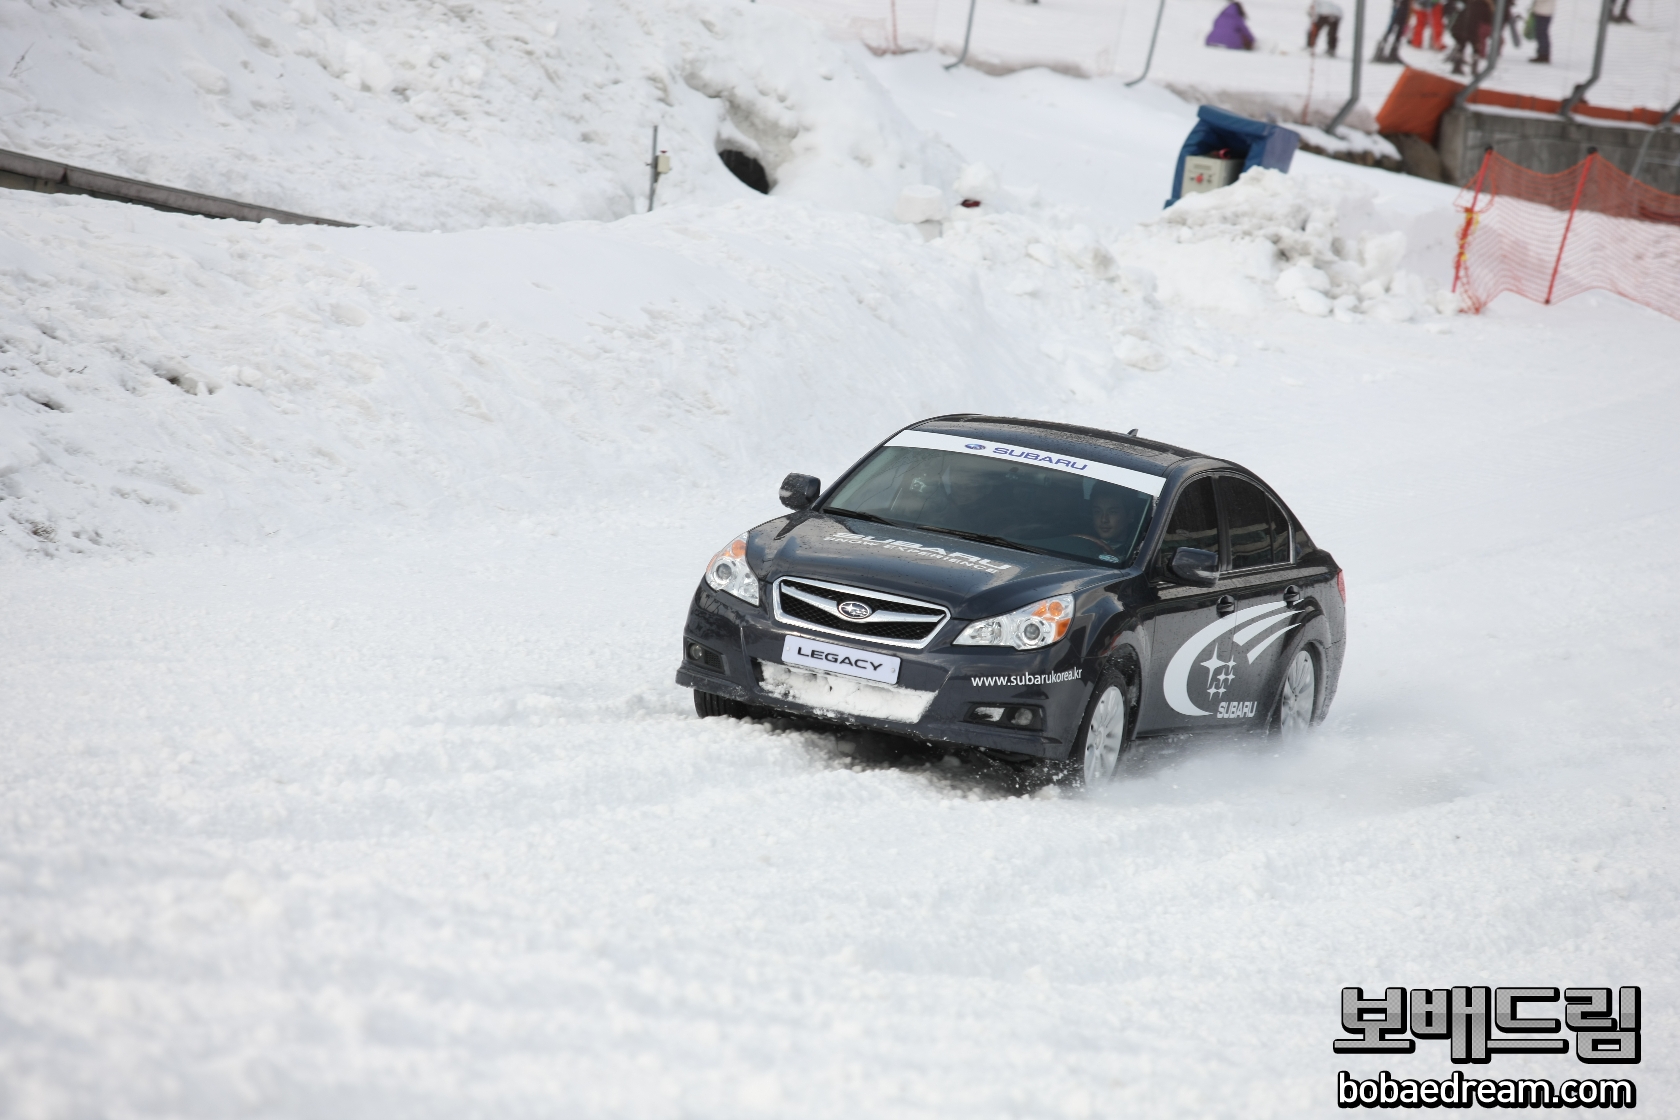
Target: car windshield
(1011, 502)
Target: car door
(1257, 585)
(1179, 613)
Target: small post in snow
(968, 33)
(1358, 60)
(1153, 35)
(659, 163)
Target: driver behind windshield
(1042, 510)
(1111, 522)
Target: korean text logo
(1478, 1023)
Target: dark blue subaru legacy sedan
(1035, 591)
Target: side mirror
(799, 491)
(1195, 566)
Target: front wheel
(1107, 731)
(707, 704)
(1298, 697)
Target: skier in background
(1388, 48)
(1543, 11)
(1471, 30)
(1513, 24)
(1326, 16)
(1430, 14)
(1230, 29)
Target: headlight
(728, 571)
(1032, 627)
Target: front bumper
(741, 658)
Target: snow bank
(1271, 237)
(454, 116)
(166, 376)
(172, 377)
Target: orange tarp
(1419, 99)
(1416, 103)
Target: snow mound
(173, 379)
(433, 116)
(1270, 237)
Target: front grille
(897, 621)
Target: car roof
(1133, 452)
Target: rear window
(1259, 530)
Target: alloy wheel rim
(1102, 740)
(1299, 691)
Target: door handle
(1291, 593)
(1226, 604)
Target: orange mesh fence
(1549, 237)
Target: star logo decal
(1220, 675)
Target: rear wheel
(707, 704)
(1298, 696)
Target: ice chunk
(920, 203)
(1312, 303)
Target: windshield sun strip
(1048, 460)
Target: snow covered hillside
(342, 573)
(453, 116)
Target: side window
(1195, 521)
(1303, 543)
(1259, 530)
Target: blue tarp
(1260, 144)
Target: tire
(1297, 696)
(1106, 734)
(708, 704)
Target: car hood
(972, 580)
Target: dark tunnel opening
(747, 169)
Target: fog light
(1018, 717)
(711, 659)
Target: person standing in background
(1325, 15)
(1620, 15)
(1429, 13)
(1230, 29)
(1513, 24)
(1388, 48)
(1470, 30)
(1543, 11)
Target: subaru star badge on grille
(851, 608)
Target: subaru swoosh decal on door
(1261, 648)
(1176, 686)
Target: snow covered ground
(343, 568)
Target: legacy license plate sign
(840, 659)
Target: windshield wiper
(984, 538)
(832, 512)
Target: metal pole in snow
(1149, 59)
(1358, 63)
(1652, 135)
(1580, 90)
(653, 168)
(969, 30)
(1495, 49)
